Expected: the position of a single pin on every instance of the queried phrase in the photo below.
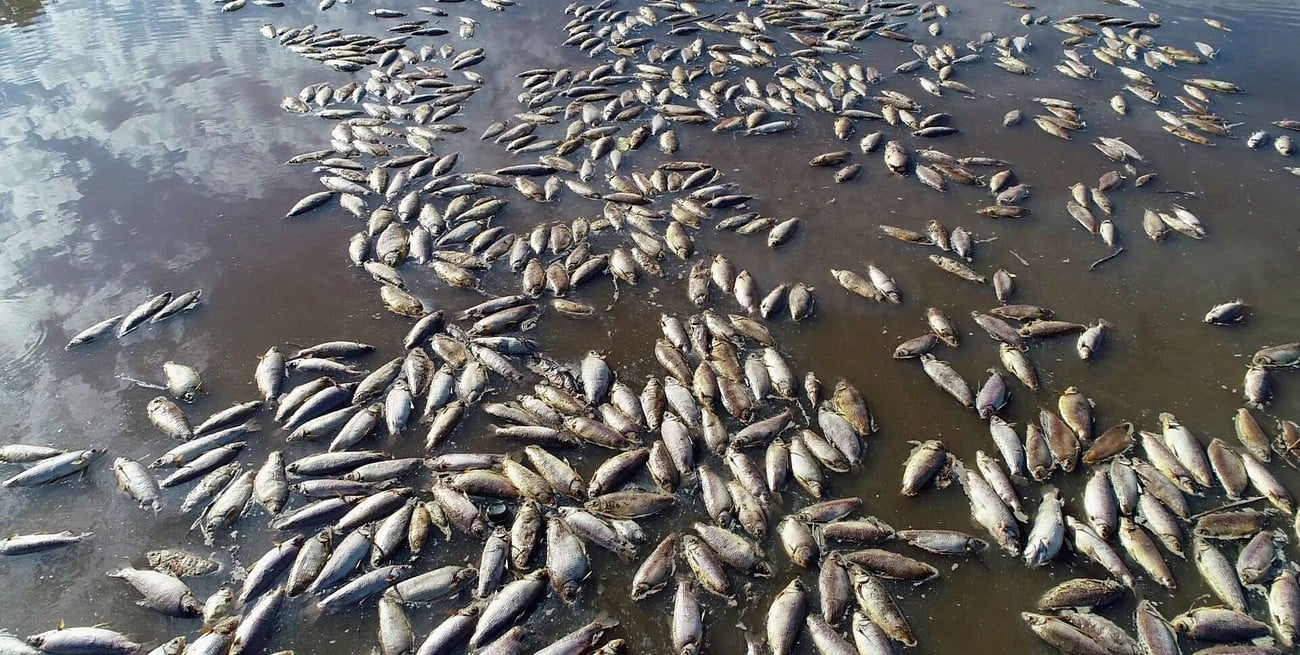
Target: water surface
(143, 149)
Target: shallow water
(143, 148)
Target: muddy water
(142, 148)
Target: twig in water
(1239, 503)
(140, 383)
(1107, 258)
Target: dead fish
(1091, 340)
(896, 158)
(998, 329)
(943, 542)
(1003, 285)
(1003, 211)
(884, 284)
(1081, 592)
(1021, 312)
(905, 235)
(184, 302)
(1219, 574)
(1114, 441)
(923, 464)
(857, 284)
(946, 378)
(169, 418)
(94, 332)
(1018, 364)
(988, 509)
(25, 454)
(1226, 524)
(142, 312)
(1219, 625)
(1076, 410)
(992, 396)
(1227, 313)
(1062, 635)
(957, 268)
(941, 326)
(24, 544)
(82, 639)
(1100, 504)
(1287, 354)
(1048, 532)
(182, 381)
(135, 480)
(1284, 608)
(915, 347)
(879, 606)
(834, 158)
(785, 617)
(1044, 329)
(1092, 546)
(160, 592)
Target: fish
(161, 592)
(1219, 624)
(94, 332)
(26, 544)
(82, 639)
(786, 616)
(55, 468)
(1081, 592)
(946, 378)
(184, 302)
(1284, 355)
(1091, 339)
(183, 382)
(957, 268)
(136, 481)
(1284, 607)
(988, 509)
(1062, 635)
(142, 312)
(1092, 546)
(1047, 534)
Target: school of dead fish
(728, 419)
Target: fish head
(478, 528)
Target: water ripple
(22, 335)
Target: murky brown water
(141, 149)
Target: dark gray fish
(94, 332)
(143, 312)
(25, 544)
(55, 468)
(182, 303)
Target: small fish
(183, 382)
(957, 268)
(94, 332)
(184, 302)
(1227, 313)
(143, 312)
